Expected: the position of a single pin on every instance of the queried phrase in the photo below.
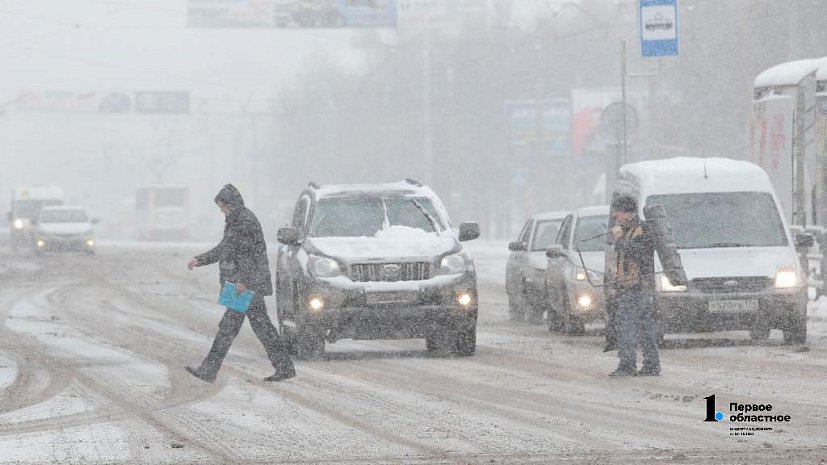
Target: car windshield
(544, 234)
(367, 215)
(586, 229)
(63, 216)
(722, 219)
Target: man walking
(634, 277)
(242, 258)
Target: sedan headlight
(453, 264)
(785, 277)
(18, 223)
(323, 267)
(666, 286)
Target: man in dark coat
(242, 260)
(632, 282)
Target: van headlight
(786, 277)
(18, 223)
(323, 267)
(666, 286)
(453, 264)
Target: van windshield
(722, 219)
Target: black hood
(230, 196)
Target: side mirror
(288, 236)
(803, 241)
(517, 246)
(555, 251)
(469, 231)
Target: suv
(377, 261)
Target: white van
(736, 248)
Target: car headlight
(666, 286)
(785, 277)
(581, 274)
(18, 223)
(452, 264)
(323, 267)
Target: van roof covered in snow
(686, 175)
(789, 73)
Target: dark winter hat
(230, 196)
(625, 204)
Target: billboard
(291, 13)
(532, 122)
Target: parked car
(574, 275)
(378, 261)
(739, 255)
(64, 229)
(526, 267)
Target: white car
(64, 228)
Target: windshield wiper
(725, 244)
(431, 219)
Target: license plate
(733, 306)
(394, 297)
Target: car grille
(732, 285)
(412, 271)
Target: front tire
(309, 344)
(517, 305)
(796, 331)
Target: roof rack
(414, 182)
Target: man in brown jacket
(633, 281)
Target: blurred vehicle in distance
(525, 272)
(26, 203)
(574, 276)
(162, 212)
(64, 229)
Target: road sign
(658, 28)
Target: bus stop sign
(658, 28)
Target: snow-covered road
(92, 351)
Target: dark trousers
(228, 329)
(636, 323)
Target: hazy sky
(146, 45)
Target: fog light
(40, 243)
(315, 303)
(464, 299)
(90, 243)
(584, 300)
(18, 224)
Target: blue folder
(233, 300)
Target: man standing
(633, 281)
(242, 258)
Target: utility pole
(427, 137)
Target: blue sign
(658, 28)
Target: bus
(162, 212)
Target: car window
(299, 213)
(364, 216)
(62, 216)
(590, 233)
(722, 219)
(525, 233)
(545, 233)
(565, 233)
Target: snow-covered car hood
(736, 261)
(64, 228)
(391, 243)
